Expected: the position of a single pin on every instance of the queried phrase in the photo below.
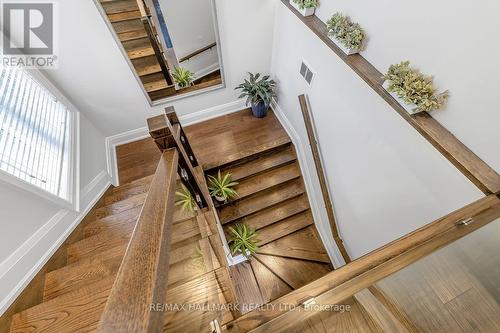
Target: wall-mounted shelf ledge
(475, 169)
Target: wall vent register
(306, 72)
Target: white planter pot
(220, 199)
(306, 11)
(342, 47)
(410, 108)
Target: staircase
(272, 200)
(75, 295)
(126, 19)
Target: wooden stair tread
(276, 213)
(122, 16)
(78, 311)
(206, 289)
(126, 193)
(128, 25)
(154, 82)
(113, 222)
(146, 65)
(266, 180)
(303, 244)
(270, 285)
(120, 206)
(138, 48)
(94, 245)
(163, 93)
(258, 165)
(295, 272)
(119, 6)
(79, 275)
(284, 227)
(132, 35)
(253, 204)
(246, 287)
(188, 269)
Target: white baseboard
(21, 266)
(306, 165)
(143, 132)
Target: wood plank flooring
(271, 199)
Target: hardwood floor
(74, 293)
(235, 136)
(271, 199)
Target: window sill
(21, 184)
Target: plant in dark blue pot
(259, 91)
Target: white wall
(455, 42)
(94, 75)
(32, 228)
(191, 27)
(386, 180)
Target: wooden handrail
(142, 8)
(322, 178)
(465, 160)
(141, 279)
(363, 272)
(195, 53)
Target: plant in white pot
(183, 78)
(221, 187)
(305, 7)
(348, 36)
(242, 240)
(413, 90)
(259, 91)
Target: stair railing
(154, 39)
(282, 314)
(313, 143)
(140, 288)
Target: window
(36, 131)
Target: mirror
(190, 43)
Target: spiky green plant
(182, 76)
(350, 34)
(414, 87)
(242, 240)
(222, 186)
(306, 3)
(185, 199)
(258, 89)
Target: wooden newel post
(169, 134)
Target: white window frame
(73, 202)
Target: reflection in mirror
(190, 43)
(171, 45)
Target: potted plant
(348, 36)
(242, 240)
(185, 199)
(305, 7)
(259, 92)
(413, 90)
(221, 187)
(183, 78)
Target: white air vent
(306, 72)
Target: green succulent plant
(183, 77)
(414, 87)
(185, 199)
(242, 240)
(222, 186)
(258, 89)
(350, 34)
(306, 3)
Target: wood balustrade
(141, 279)
(365, 271)
(153, 38)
